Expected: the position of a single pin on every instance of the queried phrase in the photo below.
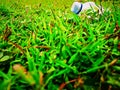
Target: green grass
(44, 46)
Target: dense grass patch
(45, 46)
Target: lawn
(44, 46)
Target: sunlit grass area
(44, 46)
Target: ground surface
(44, 46)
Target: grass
(44, 47)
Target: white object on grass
(78, 7)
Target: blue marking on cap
(79, 9)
